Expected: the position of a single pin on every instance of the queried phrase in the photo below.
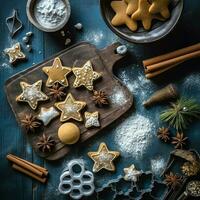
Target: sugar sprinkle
(134, 135)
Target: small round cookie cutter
(76, 181)
(31, 16)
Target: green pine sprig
(181, 113)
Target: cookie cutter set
(119, 189)
(76, 181)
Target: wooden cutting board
(103, 61)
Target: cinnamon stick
(156, 73)
(173, 61)
(171, 55)
(43, 170)
(25, 165)
(22, 170)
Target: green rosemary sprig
(181, 113)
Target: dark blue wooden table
(151, 154)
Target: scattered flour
(134, 136)
(50, 13)
(192, 81)
(118, 96)
(97, 36)
(158, 165)
(139, 85)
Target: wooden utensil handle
(110, 57)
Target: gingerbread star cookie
(32, 94)
(103, 158)
(160, 6)
(56, 73)
(132, 6)
(144, 15)
(85, 76)
(92, 119)
(70, 108)
(121, 18)
(15, 53)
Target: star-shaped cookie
(132, 6)
(103, 158)
(160, 6)
(85, 76)
(70, 108)
(143, 14)
(56, 73)
(47, 114)
(32, 94)
(131, 173)
(15, 53)
(121, 18)
(91, 119)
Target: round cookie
(69, 133)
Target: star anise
(57, 92)
(30, 123)
(100, 98)
(179, 140)
(172, 180)
(45, 143)
(163, 134)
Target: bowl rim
(30, 13)
(117, 32)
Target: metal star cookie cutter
(13, 23)
(76, 181)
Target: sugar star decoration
(103, 158)
(32, 94)
(56, 73)
(47, 114)
(15, 53)
(131, 174)
(70, 108)
(85, 76)
(91, 119)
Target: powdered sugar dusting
(192, 81)
(158, 165)
(137, 85)
(118, 96)
(134, 136)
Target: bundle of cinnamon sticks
(157, 65)
(28, 168)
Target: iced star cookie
(132, 6)
(91, 119)
(15, 53)
(32, 94)
(143, 14)
(160, 6)
(47, 114)
(121, 17)
(85, 76)
(103, 158)
(132, 174)
(70, 108)
(56, 73)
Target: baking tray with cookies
(68, 98)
